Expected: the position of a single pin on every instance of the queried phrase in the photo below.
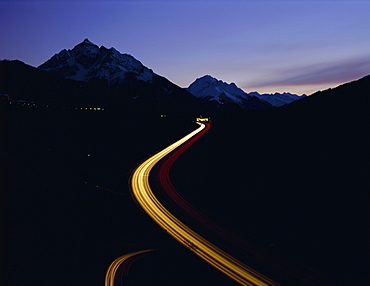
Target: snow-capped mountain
(212, 89)
(86, 62)
(207, 87)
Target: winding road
(219, 259)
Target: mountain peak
(86, 62)
(86, 41)
(210, 79)
(86, 44)
(207, 77)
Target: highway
(216, 257)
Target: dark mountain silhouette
(24, 82)
(131, 96)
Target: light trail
(219, 259)
(113, 267)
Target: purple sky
(299, 46)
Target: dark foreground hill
(66, 208)
(292, 182)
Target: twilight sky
(297, 46)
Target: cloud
(318, 74)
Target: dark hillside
(24, 82)
(66, 209)
(293, 181)
(290, 181)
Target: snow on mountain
(278, 99)
(86, 62)
(209, 88)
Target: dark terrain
(291, 181)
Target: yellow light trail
(113, 267)
(219, 259)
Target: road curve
(113, 267)
(222, 261)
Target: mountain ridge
(88, 62)
(210, 88)
(89, 74)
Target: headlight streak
(219, 259)
(113, 267)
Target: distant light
(201, 119)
